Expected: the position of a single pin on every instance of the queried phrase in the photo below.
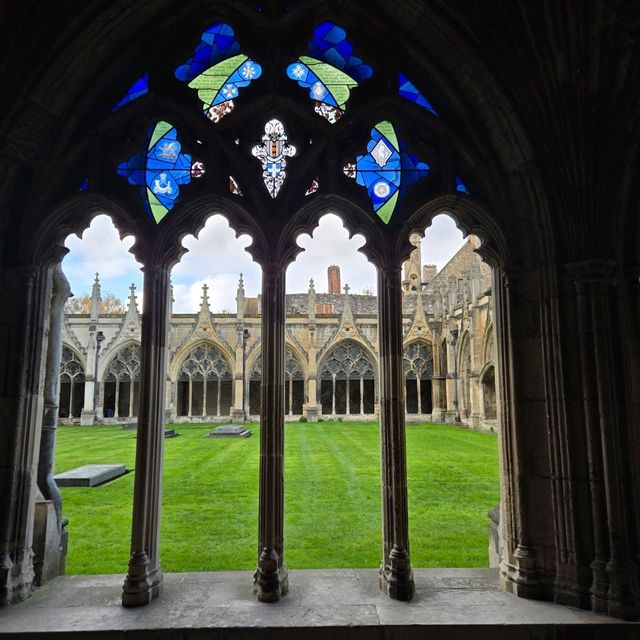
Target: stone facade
(205, 354)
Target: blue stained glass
(330, 72)
(461, 187)
(218, 43)
(136, 90)
(408, 90)
(386, 170)
(331, 45)
(159, 171)
(85, 185)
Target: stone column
(27, 295)
(438, 408)
(50, 539)
(396, 576)
(270, 579)
(615, 576)
(519, 565)
(144, 579)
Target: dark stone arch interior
(539, 117)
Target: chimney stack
(333, 273)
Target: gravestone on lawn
(229, 431)
(90, 475)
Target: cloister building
(332, 353)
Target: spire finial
(346, 289)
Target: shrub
(302, 419)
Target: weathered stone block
(90, 475)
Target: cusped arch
(348, 356)
(122, 364)
(296, 366)
(417, 360)
(185, 352)
(204, 361)
(72, 362)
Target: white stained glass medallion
(273, 153)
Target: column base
(87, 418)
(623, 597)
(311, 412)
(437, 415)
(270, 582)
(16, 578)
(237, 415)
(521, 577)
(599, 587)
(49, 544)
(141, 585)
(396, 576)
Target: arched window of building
(489, 393)
(347, 381)
(121, 382)
(418, 370)
(204, 383)
(71, 385)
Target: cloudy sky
(217, 257)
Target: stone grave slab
(90, 475)
(129, 426)
(229, 431)
(170, 433)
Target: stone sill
(340, 603)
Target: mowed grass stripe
(332, 497)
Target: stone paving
(449, 603)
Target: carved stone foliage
(418, 361)
(204, 362)
(125, 367)
(347, 360)
(71, 369)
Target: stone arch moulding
(183, 352)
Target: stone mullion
(218, 394)
(590, 417)
(204, 394)
(131, 397)
(270, 579)
(623, 596)
(144, 578)
(117, 399)
(347, 402)
(333, 394)
(361, 395)
(418, 392)
(396, 576)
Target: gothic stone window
(347, 381)
(205, 386)
(71, 385)
(121, 383)
(417, 366)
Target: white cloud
(100, 249)
(329, 245)
(441, 241)
(217, 258)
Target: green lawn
(332, 500)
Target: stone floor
(345, 603)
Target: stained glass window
(273, 153)
(461, 187)
(161, 170)
(233, 187)
(408, 90)
(136, 90)
(217, 71)
(313, 187)
(85, 185)
(330, 72)
(386, 170)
